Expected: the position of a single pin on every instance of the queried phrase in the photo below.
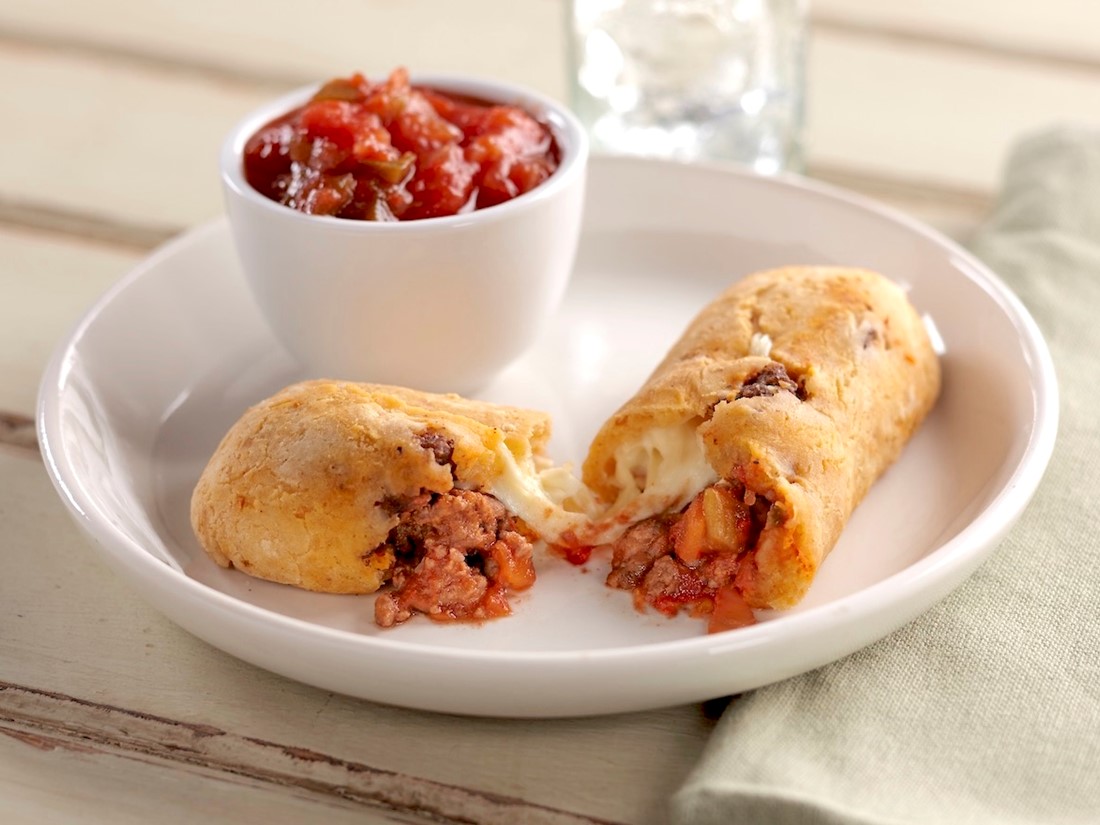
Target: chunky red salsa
(392, 151)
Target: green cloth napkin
(987, 708)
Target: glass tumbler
(691, 79)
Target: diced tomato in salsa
(393, 151)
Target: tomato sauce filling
(393, 151)
(699, 559)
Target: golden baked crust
(863, 375)
(297, 491)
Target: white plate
(135, 400)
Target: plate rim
(945, 564)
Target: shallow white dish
(136, 399)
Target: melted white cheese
(760, 344)
(661, 471)
(552, 501)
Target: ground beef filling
(456, 557)
(699, 559)
(771, 380)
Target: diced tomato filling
(393, 151)
(513, 572)
(689, 533)
(699, 559)
(730, 611)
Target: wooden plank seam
(18, 431)
(965, 43)
(59, 220)
(48, 721)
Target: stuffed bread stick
(345, 488)
(732, 472)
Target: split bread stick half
(724, 482)
(340, 487)
(732, 472)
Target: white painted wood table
(112, 112)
